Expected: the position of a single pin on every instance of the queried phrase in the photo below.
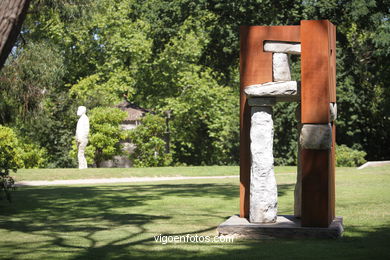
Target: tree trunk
(12, 14)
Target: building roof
(134, 112)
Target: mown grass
(120, 221)
(67, 174)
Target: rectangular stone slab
(273, 89)
(285, 227)
(316, 136)
(282, 47)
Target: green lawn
(67, 174)
(120, 221)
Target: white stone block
(263, 189)
(280, 67)
(282, 47)
(333, 111)
(273, 89)
(316, 136)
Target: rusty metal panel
(255, 68)
(315, 71)
(332, 62)
(245, 159)
(315, 188)
(318, 75)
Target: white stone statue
(82, 132)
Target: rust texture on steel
(317, 71)
(315, 188)
(318, 89)
(255, 68)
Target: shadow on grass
(72, 220)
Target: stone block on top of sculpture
(282, 47)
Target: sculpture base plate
(285, 227)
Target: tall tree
(12, 15)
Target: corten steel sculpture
(315, 195)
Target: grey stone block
(316, 136)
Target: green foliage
(32, 155)
(105, 133)
(33, 102)
(9, 159)
(285, 134)
(53, 128)
(19, 152)
(9, 153)
(28, 77)
(204, 129)
(124, 48)
(348, 157)
(149, 142)
(205, 113)
(183, 56)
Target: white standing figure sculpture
(82, 132)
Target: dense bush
(150, 144)
(349, 157)
(32, 155)
(9, 159)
